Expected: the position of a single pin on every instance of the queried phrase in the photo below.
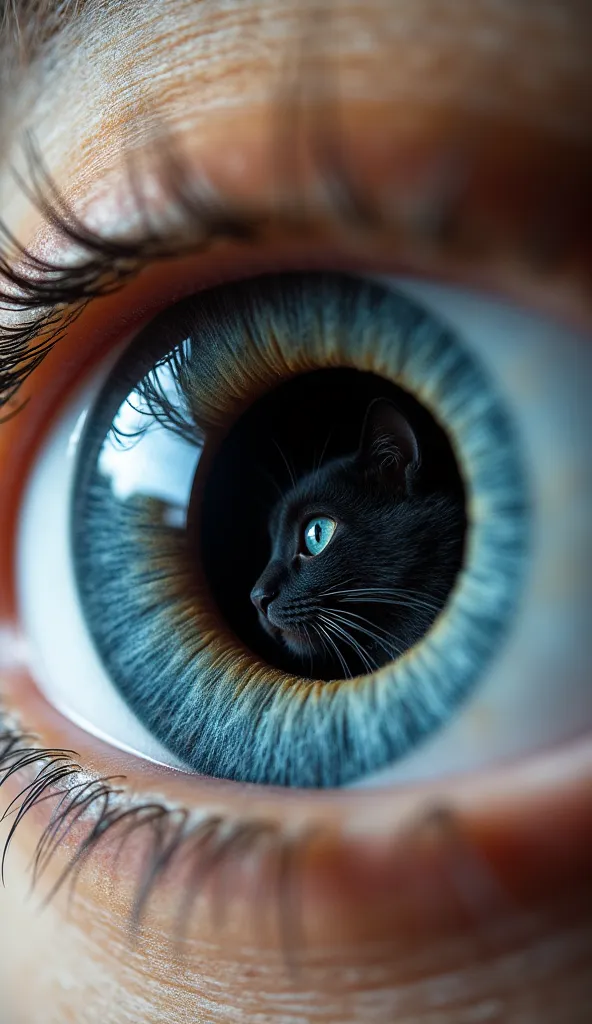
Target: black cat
(361, 563)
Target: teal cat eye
(318, 533)
(149, 449)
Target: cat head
(338, 531)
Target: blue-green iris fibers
(318, 533)
(213, 703)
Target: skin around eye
(381, 959)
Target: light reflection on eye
(163, 465)
(533, 693)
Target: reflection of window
(140, 456)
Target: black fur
(385, 574)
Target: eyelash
(212, 845)
(212, 842)
(59, 294)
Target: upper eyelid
(44, 297)
(52, 294)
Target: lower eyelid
(537, 777)
(533, 817)
(486, 849)
(528, 828)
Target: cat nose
(262, 597)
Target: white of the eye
(536, 693)
(64, 661)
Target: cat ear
(388, 445)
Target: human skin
(448, 902)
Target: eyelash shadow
(208, 847)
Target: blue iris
(164, 645)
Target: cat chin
(294, 642)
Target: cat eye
(151, 461)
(318, 533)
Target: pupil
(250, 471)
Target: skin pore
(454, 901)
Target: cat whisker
(413, 606)
(419, 595)
(386, 642)
(320, 636)
(351, 641)
(339, 623)
(329, 593)
(309, 644)
(375, 630)
(326, 648)
(378, 598)
(384, 595)
(321, 629)
(396, 591)
(287, 464)
(318, 463)
(328, 630)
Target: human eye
(131, 626)
(153, 567)
(131, 609)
